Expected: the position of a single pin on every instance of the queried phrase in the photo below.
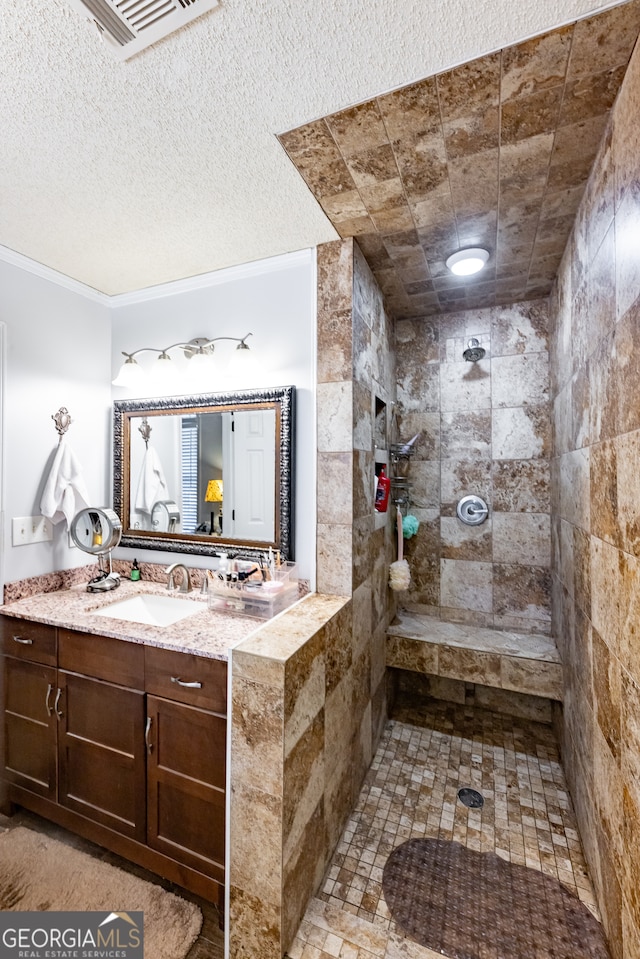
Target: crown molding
(174, 288)
(53, 276)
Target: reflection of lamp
(214, 495)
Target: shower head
(474, 351)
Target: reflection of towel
(65, 493)
(152, 485)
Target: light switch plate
(30, 529)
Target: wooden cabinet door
(30, 726)
(185, 784)
(101, 753)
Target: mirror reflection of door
(248, 441)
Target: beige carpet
(42, 874)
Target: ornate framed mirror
(205, 474)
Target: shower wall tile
(522, 538)
(521, 433)
(521, 486)
(422, 552)
(532, 677)
(627, 370)
(523, 593)
(607, 680)
(465, 542)
(488, 431)
(425, 477)
(465, 434)
(604, 392)
(575, 485)
(470, 617)
(335, 419)
(580, 404)
(563, 420)
(427, 424)
(418, 389)
(466, 585)
(362, 426)
(520, 380)
(604, 492)
(470, 665)
(335, 487)
(465, 386)
(595, 354)
(334, 347)
(459, 477)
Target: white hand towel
(65, 493)
(152, 485)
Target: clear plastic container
(255, 596)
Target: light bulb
(130, 374)
(201, 368)
(467, 262)
(164, 373)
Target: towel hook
(62, 420)
(145, 430)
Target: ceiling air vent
(129, 26)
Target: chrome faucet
(185, 584)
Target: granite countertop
(208, 633)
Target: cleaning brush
(399, 572)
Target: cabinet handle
(58, 712)
(147, 735)
(47, 699)
(23, 641)
(181, 682)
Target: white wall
(57, 342)
(273, 299)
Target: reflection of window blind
(189, 467)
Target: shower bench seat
(526, 663)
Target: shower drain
(471, 798)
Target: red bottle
(382, 491)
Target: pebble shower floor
(424, 758)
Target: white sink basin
(151, 610)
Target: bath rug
(468, 905)
(43, 874)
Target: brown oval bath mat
(468, 905)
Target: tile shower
(485, 429)
(555, 450)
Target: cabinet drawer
(167, 671)
(102, 657)
(27, 640)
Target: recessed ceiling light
(466, 262)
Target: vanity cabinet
(186, 797)
(30, 727)
(122, 743)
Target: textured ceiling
(492, 154)
(127, 174)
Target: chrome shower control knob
(472, 510)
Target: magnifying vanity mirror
(97, 531)
(203, 474)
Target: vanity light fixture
(198, 351)
(467, 262)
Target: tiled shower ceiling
(494, 153)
